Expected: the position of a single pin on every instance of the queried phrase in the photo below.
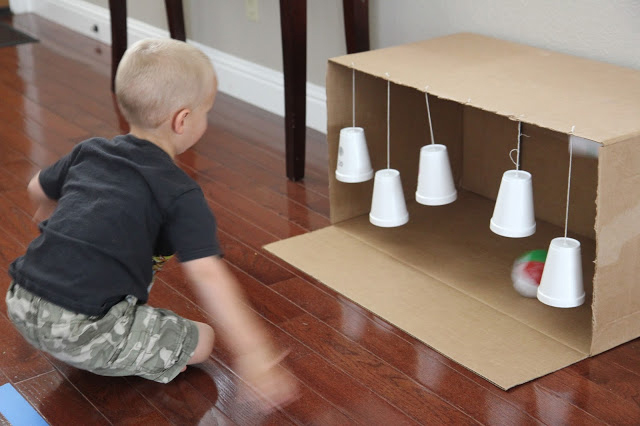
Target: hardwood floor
(352, 367)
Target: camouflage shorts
(129, 340)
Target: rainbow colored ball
(527, 272)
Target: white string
(516, 162)
(519, 138)
(426, 96)
(566, 219)
(353, 94)
(388, 120)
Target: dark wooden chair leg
(175, 17)
(118, 10)
(356, 25)
(293, 23)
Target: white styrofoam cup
(354, 164)
(435, 181)
(388, 207)
(561, 284)
(513, 214)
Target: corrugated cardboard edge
(512, 352)
(535, 86)
(616, 306)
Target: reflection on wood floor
(353, 368)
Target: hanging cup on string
(435, 181)
(561, 285)
(354, 164)
(513, 214)
(388, 207)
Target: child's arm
(46, 205)
(256, 359)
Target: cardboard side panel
(502, 349)
(488, 139)
(408, 132)
(616, 305)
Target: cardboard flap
(536, 86)
(502, 349)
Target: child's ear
(178, 123)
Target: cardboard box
(445, 277)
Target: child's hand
(267, 382)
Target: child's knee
(206, 339)
(208, 336)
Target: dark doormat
(9, 36)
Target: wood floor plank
(242, 229)
(611, 377)
(38, 123)
(58, 402)
(22, 169)
(16, 222)
(8, 181)
(251, 261)
(7, 154)
(550, 407)
(66, 43)
(252, 211)
(377, 337)
(353, 399)
(278, 203)
(112, 396)
(244, 176)
(179, 401)
(385, 380)
(19, 361)
(32, 152)
(626, 356)
(265, 301)
(592, 398)
(220, 155)
(219, 386)
(235, 145)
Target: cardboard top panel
(536, 86)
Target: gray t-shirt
(120, 202)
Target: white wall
(250, 57)
(605, 30)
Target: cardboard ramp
(460, 302)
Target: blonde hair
(157, 77)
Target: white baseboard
(247, 81)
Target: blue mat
(17, 410)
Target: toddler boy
(111, 206)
